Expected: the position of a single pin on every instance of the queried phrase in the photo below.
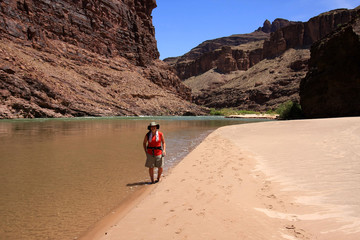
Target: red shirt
(155, 143)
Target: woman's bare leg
(151, 173)
(160, 170)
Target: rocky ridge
(224, 53)
(304, 34)
(67, 58)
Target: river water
(58, 177)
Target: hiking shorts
(154, 161)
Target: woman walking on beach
(154, 152)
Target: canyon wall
(65, 58)
(107, 27)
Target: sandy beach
(225, 189)
(258, 116)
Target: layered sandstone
(222, 54)
(332, 86)
(224, 60)
(66, 58)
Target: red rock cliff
(111, 28)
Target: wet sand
(222, 189)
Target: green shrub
(270, 111)
(215, 112)
(290, 110)
(222, 112)
(230, 111)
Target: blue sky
(181, 25)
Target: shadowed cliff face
(332, 86)
(64, 58)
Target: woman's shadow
(138, 184)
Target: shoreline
(255, 116)
(100, 228)
(203, 197)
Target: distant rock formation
(302, 35)
(65, 58)
(218, 53)
(259, 73)
(278, 23)
(262, 87)
(222, 53)
(332, 86)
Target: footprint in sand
(269, 207)
(272, 196)
(202, 213)
(211, 181)
(266, 186)
(299, 233)
(290, 227)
